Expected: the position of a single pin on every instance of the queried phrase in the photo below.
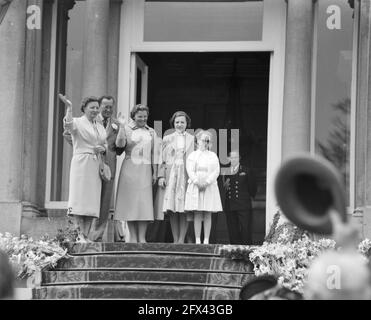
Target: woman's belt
(86, 152)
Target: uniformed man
(240, 188)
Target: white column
(113, 47)
(297, 85)
(12, 82)
(95, 65)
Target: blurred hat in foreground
(307, 188)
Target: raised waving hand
(121, 119)
(64, 99)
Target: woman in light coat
(88, 142)
(134, 200)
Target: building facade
(290, 75)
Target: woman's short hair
(204, 132)
(137, 108)
(86, 101)
(180, 114)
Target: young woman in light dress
(173, 175)
(202, 195)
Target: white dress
(85, 183)
(203, 165)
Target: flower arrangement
(288, 258)
(288, 261)
(236, 252)
(67, 237)
(365, 247)
(28, 255)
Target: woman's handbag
(104, 169)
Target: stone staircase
(144, 271)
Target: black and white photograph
(176, 150)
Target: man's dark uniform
(238, 204)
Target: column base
(366, 223)
(13, 214)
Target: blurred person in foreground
(266, 287)
(6, 278)
(343, 274)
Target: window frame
(353, 97)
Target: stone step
(153, 261)
(137, 291)
(98, 247)
(145, 271)
(140, 276)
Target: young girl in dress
(173, 175)
(202, 196)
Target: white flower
(364, 246)
(114, 126)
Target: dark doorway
(220, 90)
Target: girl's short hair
(137, 108)
(86, 101)
(180, 114)
(205, 132)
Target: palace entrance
(219, 90)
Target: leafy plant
(28, 255)
(67, 237)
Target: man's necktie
(105, 120)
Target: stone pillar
(32, 113)
(298, 69)
(44, 100)
(363, 121)
(112, 78)
(95, 63)
(114, 48)
(12, 82)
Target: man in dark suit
(240, 188)
(112, 126)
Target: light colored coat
(172, 198)
(168, 153)
(85, 182)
